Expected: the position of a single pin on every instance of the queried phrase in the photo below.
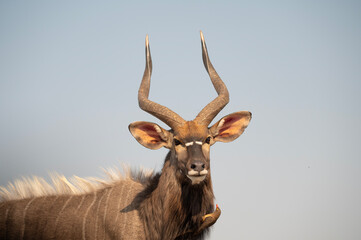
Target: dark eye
(177, 142)
(208, 140)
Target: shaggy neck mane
(167, 203)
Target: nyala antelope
(177, 203)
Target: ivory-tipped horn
(210, 111)
(161, 112)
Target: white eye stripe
(199, 143)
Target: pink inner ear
(151, 132)
(228, 122)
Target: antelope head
(189, 141)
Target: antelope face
(191, 145)
(189, 141)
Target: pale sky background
(70, 71)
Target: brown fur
(159, 207)
(86, 216)
(173, 209)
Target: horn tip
(147, 40)
(202, 37)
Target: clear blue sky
(70, 70)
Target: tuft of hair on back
(29, 187)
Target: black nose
(198, 166)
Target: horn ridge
(163, 113)
(210, 111)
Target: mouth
(197, 177)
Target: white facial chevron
(191, 143)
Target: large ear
(231, 126)
(150, 135)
